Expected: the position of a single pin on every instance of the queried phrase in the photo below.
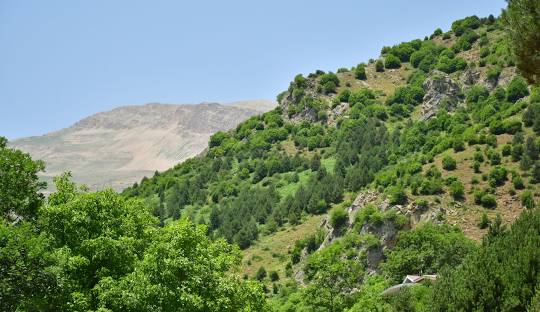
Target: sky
(61, 61)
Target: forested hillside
(410, 159)
(424, 161)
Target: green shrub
(404, 50)
(427, 63)
(274, 276)
(344, 96)
(422, 204)
(517, 152)
(457, 190)
(450, 65)
(448, 163)
(494, 158)
(465, 41)
(338, 218)
(517, 88)
(431, 187)
(477, 93)
(491, 140)
(289, 269)
(261, 274)
(484, 51)
(478, 156)
(218, 138)
(517, 181)
(329, 87)
(360, 72)
(392, 61)
(407, 95)
(396, 195)
(370, 214)
(459, 27)
(476, 166)
(497, 176)
(488, 201)
(496, 126)
(482, 62)
(361, 96)
(494, 72)
(324, 78)
(512, 126)
(506, 150)
(535, 174)
(458, 145)
(484, 221)
(379, 66)
(527, 200)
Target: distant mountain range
(119, 147)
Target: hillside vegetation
(424, 161)
(440, 130)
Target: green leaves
(19, 184)
(100, 251)
(522, 22)
(183, 270)
(27, 281)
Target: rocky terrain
(119, 147)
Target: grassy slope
(272, 251)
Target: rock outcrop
(470, 77)
(441, 91)
(296, 112)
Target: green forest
(424, 161)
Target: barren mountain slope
(119, 147)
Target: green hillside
(441, 129)
(424, 161)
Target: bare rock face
(386, 232)
(337, 112)
(470, 77)
(441, 91)
(121, 146)
(507, 74)
(360, 201)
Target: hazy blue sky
(63, 60)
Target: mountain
(262, 106)
(118, 147)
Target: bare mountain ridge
(118, 147)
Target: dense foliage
(103, 252)
(19, 184)
(522, 20)
(501, 276)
